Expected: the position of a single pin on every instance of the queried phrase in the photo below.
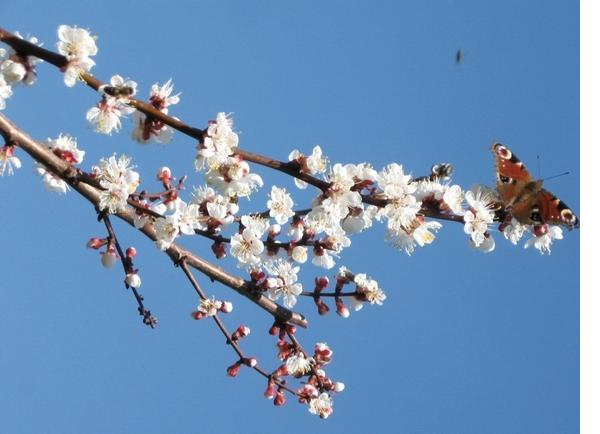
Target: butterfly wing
(552, 210)
(511, 174)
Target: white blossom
(218, 144)
(544, 238)
(313, 164)
(8, 162)
(367, 290)
(514, 231)
(283, 282)
(77, 45)
(480, 214)
(280, 205)
(321, 406)
(209, 307)
(18, 68)
(298, 365)
(5, 92)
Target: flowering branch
(70, 175)
(350, 198)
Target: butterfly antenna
(556, 176)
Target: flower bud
(250, 361)
(108, 258)
(218, 249)
(279, 399)
(164, 174)
(271, 391)
(96, 243)
(339, 386)
(341, 309)
(539, 230)
(226, 307)
(133, 280)
(131, 252)
(234, 369)
(322, 308)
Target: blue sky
(465, 343)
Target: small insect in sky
(458, 56)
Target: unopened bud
(164, 174)
(279, 399)
(539, 230)
(241, 332)
(321, 283)
(131, 252)
(108, 258)
(218, 249)
(250, 361)
(339, 386)
(197, 315)
(322, 308)
(274, 330)
(96, 243)
(341, 309)
(133, 280)
(226, 307)
(234, 369)
(270, 391)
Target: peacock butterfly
(523, 197)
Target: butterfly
(523, 197)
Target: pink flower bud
(241, 332)
(274, 330)
(279, 399)
(321, 283)
(197, 315)
(271, 391)
(322, 308)
(131, 252)
(96, 243)
(539, 230)
(341, 309)
(234, 369)
(218, 249)
(282, 371)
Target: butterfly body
(523, 197)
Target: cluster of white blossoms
(314, 164)
(118, 180)
(64, 147)
(247, 246)
(218, 144)
(181, 218)
(225, 172)
(543, 235)
(147, 129)
(77, 45)
(16, 69)
(105, 117)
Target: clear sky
(465, 343)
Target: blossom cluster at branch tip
(77, 45)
